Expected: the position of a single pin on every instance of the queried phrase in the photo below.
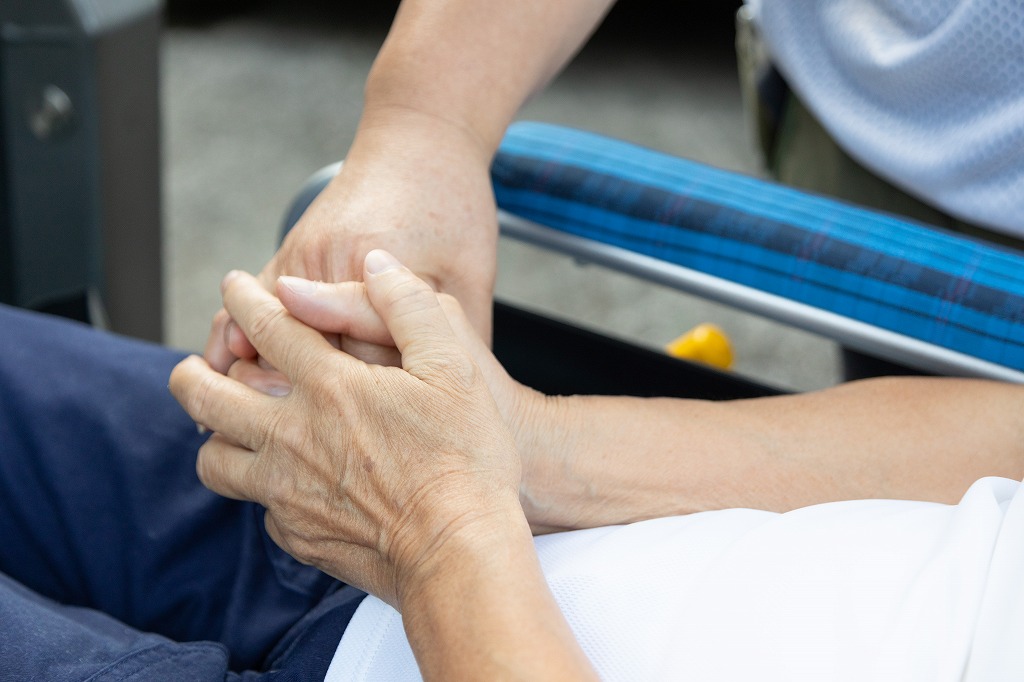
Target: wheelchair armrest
(906, 292)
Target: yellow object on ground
(705, 343)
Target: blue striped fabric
(875, 268)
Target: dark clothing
(118, 562)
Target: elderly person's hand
(543, 428)
(374, 474)
(420, 189)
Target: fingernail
(227, 280)
(228, 331)
(297, 284)
(378, 261)
(201, 430)
(278, 390)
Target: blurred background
(117, 193)
(258, 95)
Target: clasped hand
(371, 473)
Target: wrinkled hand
(542, 428)
(420, 190)
(367, 472)
(345, 309)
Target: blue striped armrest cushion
(871, 267)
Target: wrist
(404, 79)
(483, 546)
(409, 123)
(483, 610)
(547, 432)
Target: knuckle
(198, 402)
(462, 372)
(211, 469)
(280, 493)
(277, 533)
(411, 295)
(308, 365)
(292, 435)
(453, 371)
(264, 430)
(205, 466)
(265, 317)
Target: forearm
(482, 610)
(472, 64)
(416, 178)
(625, 459)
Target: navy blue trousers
(115, 562)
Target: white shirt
(861, 590)
(928, 94)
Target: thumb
(413, 315)
(337, 308)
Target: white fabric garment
(928, 94)
(860, 590)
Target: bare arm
(613, 460)
(592, 460)
(473, 64)
(484, 612)
(420, 483)
(444, 87)
(402, 481)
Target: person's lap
(108, 534)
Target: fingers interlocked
(347, 457)
(242, 416)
